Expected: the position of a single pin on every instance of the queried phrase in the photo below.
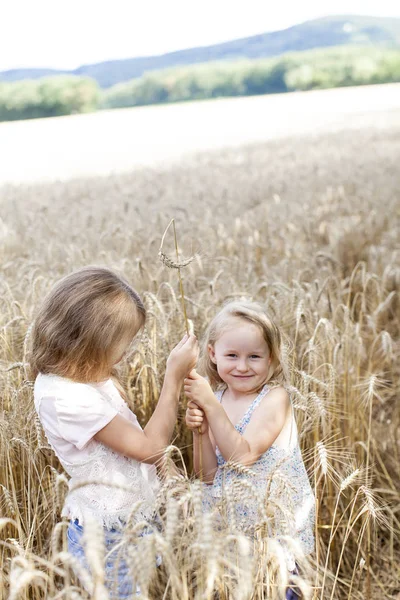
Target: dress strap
(241, 426)
(218, 395)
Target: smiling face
(242, 356)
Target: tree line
(48, 97)
(316, 69)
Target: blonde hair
(80, 321)
(254, 313)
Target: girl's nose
(242, 365)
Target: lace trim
(119, 485)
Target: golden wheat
(309, 227)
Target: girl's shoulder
(48, 383)
(64, 390)
(73, 411)
(277, 389)
(276, 396)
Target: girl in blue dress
(243, 413)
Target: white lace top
(71, 414)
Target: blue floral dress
(274, 493)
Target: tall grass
(308, 227)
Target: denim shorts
(118, 578)
(292, 592)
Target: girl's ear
(211, 353)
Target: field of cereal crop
(308, 225)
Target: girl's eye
(254, 356)
(231, 355)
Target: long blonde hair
(254, 313)
(80, 321)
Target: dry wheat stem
(178, 266)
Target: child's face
(242, 356)
(120, 348)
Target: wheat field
(308, 226)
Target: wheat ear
(168, 262)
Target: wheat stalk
(168, 262)
(178, 265)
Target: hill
(319, 33)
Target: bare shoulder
(278, 392)
(269, 419)
(277, 399)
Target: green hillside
(320, 33)
(338, 66)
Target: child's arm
(261, 432)
(195, 420)
(148, 445)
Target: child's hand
(199, 390)
(183, 357)
(196, 420)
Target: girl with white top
(249, 421)
(82, 330)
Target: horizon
(174, 31)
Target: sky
(65, 34)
